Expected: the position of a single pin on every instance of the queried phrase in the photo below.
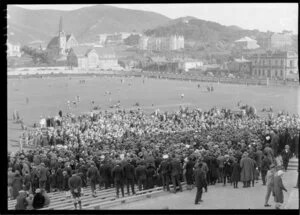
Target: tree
(132, 40)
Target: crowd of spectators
(150, 150)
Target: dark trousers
(235, 184)
(130, 183)
(165, 181)
(119, 184)
(198, 195)
(93, 185)
(263, 176)
(142, 183)
(285, 163)
(106, 183)
(221, 174)
(175, 181)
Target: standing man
(164, 169)
(43, 176)
(92, 175)
(265, 166)
(129, 176)
(141, 175)
(199, 182)
(286, 155)
(270, 183)
(118, 177)
(274, 142)
(75, 184)
(175, 172)
(247, 170)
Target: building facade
(87, 57)
(13, 50)
(279, 65)
(276, 40)
(173, 42)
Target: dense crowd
(113, 149)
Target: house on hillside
(61, 44)
(246, 43)
(13, 49)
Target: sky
(262, 16)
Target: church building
(61, 44)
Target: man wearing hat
(164, 170)
(175, 172)
(42, 176)
(141, 175)
(75, 184)
(286, 155)
(199, 182)
(129, 176)
(118, 177)
(270, 183)
(247, 170)
(92, 175)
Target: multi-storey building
(276, 40)
(275, 65)
(174, 42)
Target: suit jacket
(43, 174)
(175, 167)
(140, 172)
(286, 154)
(93, 173)
(199, 178)
(129, 171)
(118, 173)
(164, 167)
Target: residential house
(246, 43)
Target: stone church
(60, 45)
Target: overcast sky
(269, 16)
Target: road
(220, 197)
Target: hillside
(85, 23)
(202, 33)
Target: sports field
(47, 96)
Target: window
(275, 62)
(269, 73)
(270, 62)
(281, 62)
(281, 73)
(263, 72)
(291, 63)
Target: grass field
(47, 96)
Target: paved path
(219, 197)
